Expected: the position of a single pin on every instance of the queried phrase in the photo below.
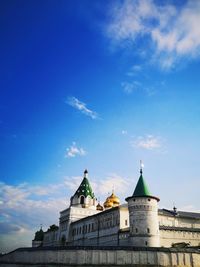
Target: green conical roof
(141, 188)
(84, 188)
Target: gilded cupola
(111, 201)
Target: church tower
(82, 204)
(84, 196)
(143, 216)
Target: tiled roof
(185, 214)
(84, 189)
(141, 188)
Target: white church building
(138, 222)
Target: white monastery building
(138, 222)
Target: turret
(83, 203)
(143, 215)
(84, 196)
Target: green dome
(84, 189)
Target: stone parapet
(106, 256)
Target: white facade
(136, 223)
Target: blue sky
(97, 85)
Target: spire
(141, 188)
(86, 173)
(84, 188)
(141, 166)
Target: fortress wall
(167, 237)
(104, 257)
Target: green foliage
(53, 227)
(39, 235)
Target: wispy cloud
(102, 186)
(134, 70)
(73, 182)
(112, 181)
(24, 207)
(129, 87)
(74, 151)
(124, 132)
(172, 31)
(148, 142)
(82, 107)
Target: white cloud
(73, 182)
(24, 207)
(172, 31)
(135, 69)
(124, 132)
(112, 181)
(74, 151)
(81, 106)
(129, 87)
(148, 142)
(102, 187)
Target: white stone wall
(178, 221)
(101, 229)
(51, 238)
(168, 237)
(175, 233)
(95, 230)
(124, 217)
(70, 215)
(36, 244)
(101, 257)
(144, 227)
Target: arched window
(82, 200)
(148, 230)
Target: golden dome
(111, 201)
(108, 204)
(99, 207)
(113, 198)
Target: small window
(146, 243)
(149, 199)
(136, 230)
(134, 199)
(148, 230)
(126, 222)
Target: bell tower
(143, 216)
(84, 196)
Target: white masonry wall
(144, 227)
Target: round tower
(143, 216)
